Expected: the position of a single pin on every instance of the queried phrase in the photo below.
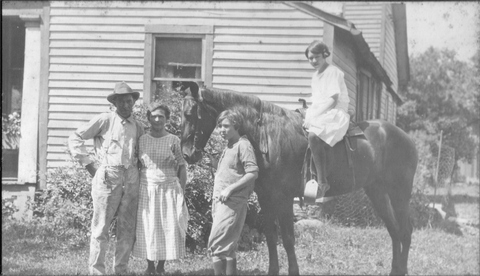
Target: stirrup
(310, 192)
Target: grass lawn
(326, 250)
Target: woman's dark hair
(317, 47)
(154, 106)
(235, 119)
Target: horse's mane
(230, 98)
(278, 122)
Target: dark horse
(384, 162)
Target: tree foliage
(443, 95)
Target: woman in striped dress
(162, 215)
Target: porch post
(27, 159)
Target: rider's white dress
(331, 125)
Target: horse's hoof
(272, 272)
(295, 272)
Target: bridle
(196, 138)
(198, 131)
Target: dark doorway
(13, 53)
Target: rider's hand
(306, 121)
(92, 168)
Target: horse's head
(198, 123)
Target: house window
(176, 53)
(368, 96)
(13, 45)
(177, 59)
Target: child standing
(234, 181)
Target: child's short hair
(234, 117)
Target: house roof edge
(348, 26)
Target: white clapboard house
(60, 59)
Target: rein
(195, 141)
(263, 143)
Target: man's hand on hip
(92, 168)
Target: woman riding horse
(327, 119)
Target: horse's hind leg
(401, 206)
(270, 230)
(288, 235)
(382, 204)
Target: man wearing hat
(115, 182)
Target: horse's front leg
(288, 234)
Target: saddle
(353, 128)
(308, 169)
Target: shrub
(11, 131)
(64, 209)
(420, 213)
(426, 168)
(8, 209)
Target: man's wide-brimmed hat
(122, 88)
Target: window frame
(204, 32)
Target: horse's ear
(194, 89)
(188, 88)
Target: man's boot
(219, 267)
(231, 267)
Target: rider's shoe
(322, 189)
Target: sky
(441, 24)
(452, 25)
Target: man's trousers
(114, 192)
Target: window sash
(186, 36)
(205, 32)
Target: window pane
(362, 94)
(378, 91)
(178, 58)
(371, 102)
(364, 81)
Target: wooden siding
(367, 17)
(376, 23)
(390, 55)
(344, 58)
(258, 48)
